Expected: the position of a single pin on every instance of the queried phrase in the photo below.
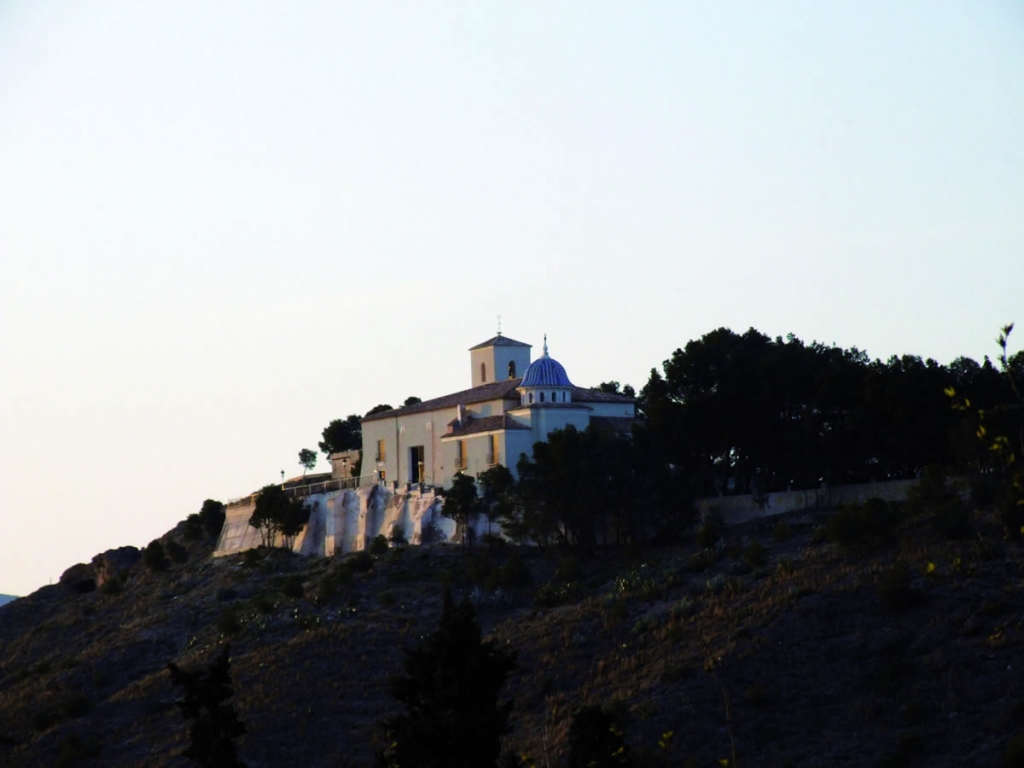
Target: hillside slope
(903, 651)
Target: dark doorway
(416, 464)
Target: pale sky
(224, 224)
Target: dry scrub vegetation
(793, 641)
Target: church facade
(512, 404)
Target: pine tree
(449, 689)
(206, 702)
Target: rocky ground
(901, 650)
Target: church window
(381, 455)
(563, 397)
(554, 397)
(511, 369)
(542, 397)
(483, 373)
(460, 454)
(531, 398)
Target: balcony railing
(301, 491)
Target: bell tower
(498, 359)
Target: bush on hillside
(755, 555)
(212, 516)
(710, 531)
(857, 524)
(359, 562)
(515, 574)
(782, 532)
(595, 740)
(176, 552)
(933, 495)
(397, 536)
(154, 557)
(292, 586)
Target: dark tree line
(748, 414)
(737, 414)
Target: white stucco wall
(497, 359)
(344, 521)
(425, 428)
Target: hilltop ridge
(890, 651)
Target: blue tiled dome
(545, 372)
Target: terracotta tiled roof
(499, 341)
(597, 396)
(612, 423)
(567, 406)
(492, 391)
(485, 424)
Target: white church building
(512, 404)
(408, 452)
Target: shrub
(952, 519)
(1011, 512)
(569, 569)
(386, 598)
(264, 603)
(595, 740)
(482, 571)
(332, 582)
(755, 695)
(74, 706)
(982, 491)
(154, 558)
(710, 531)
(112, 586)
(782, 532)
(930, 487)
(431, 534)
(857, 524)
(360, 562)
(701, 561)
(225, 594)
(493, 541)
(228, 623)
(515, 574)
(212, 516)
(253, 556)
(933, 495)
(176, 552)
(894, 589)
(379, 545)
(1013, 755)
(74, 749)
(397, 536)
(193, 527)
(554, 594)
(755, 555)
(292, 586)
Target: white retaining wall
(740, 509)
